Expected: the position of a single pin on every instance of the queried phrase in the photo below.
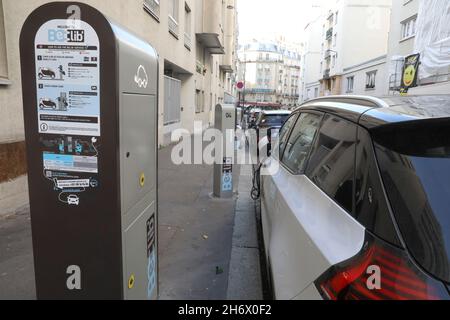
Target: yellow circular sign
(131, 282)
(142, 180)
(409, 76)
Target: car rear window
(274, 120)
(414, 160)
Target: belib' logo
(60, 35)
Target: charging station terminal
(90, 96)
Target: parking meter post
(225, 122)
(92, 162)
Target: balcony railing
(187, 41)
(329, 34)
(152, 7)
(200, 68)
(173, 27)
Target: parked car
(270, 120)
(268, 123)
(359, 207)
(47, 103)
(46, 73)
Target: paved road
(195, 238)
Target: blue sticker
(151, 273)
(227, 182)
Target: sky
(266, 19)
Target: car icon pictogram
(46, 103)
(46, 73)
(73, 200)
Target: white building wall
(359, 33)
(312, 57)
(363, 28)
(359, 75)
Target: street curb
(244, 278)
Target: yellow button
(142, 180)
(131, 282)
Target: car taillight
(379, 272)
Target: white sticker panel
(68, 78)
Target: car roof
(372, 112)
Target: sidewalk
(195, 232)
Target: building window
(316, 92)
(336, 18)
(350, 84)
(199, 101)
(211, 103)
(335, 40)
(3, 58)
(173, 17)
(371, 78)
(172, 100)
(152, 7)
(187, 26)
(409, 28)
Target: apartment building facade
(420, 27)
(271, 72)
(311, 72)
(354, 48)
(196, 41)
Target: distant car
(358, 206)
(46, 103)
(269, 121)
(46, 73)
(73, 200)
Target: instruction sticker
(68, 78)
(67, 57)
(65, 184)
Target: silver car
(359, 207)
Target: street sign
(240, 85)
